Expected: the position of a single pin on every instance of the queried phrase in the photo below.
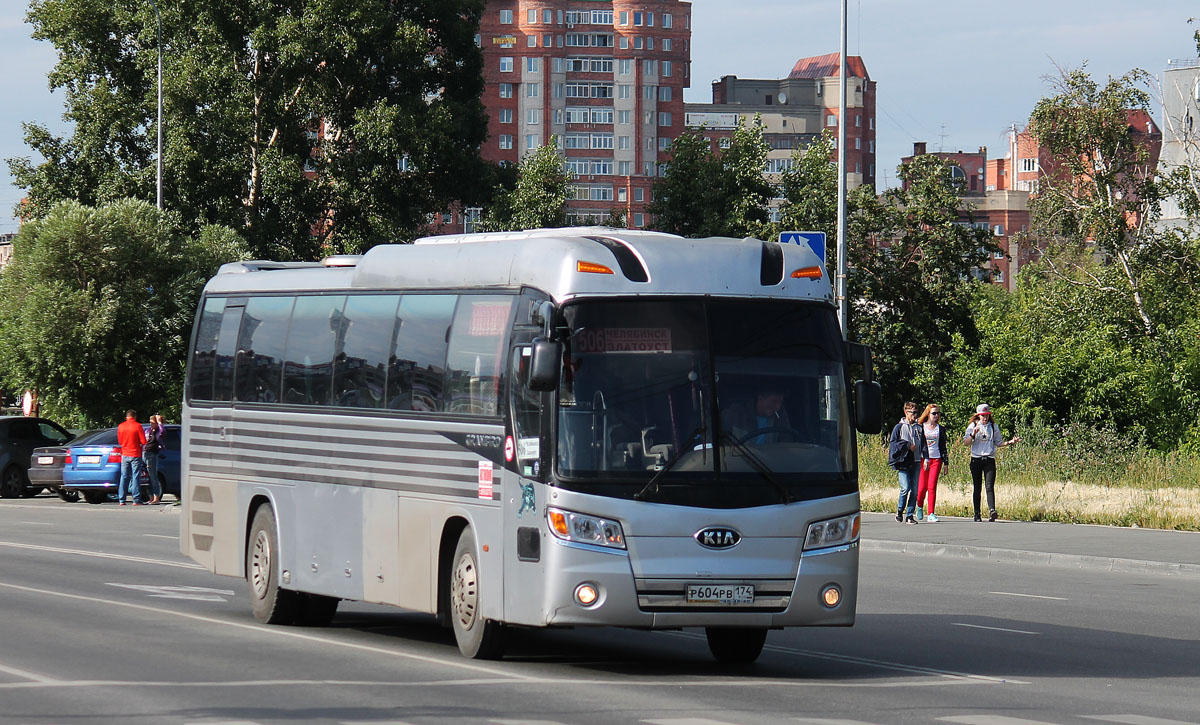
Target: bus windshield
(717, 403)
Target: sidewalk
(1075, 546)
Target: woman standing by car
(154, 444)
(984, 438)
(934, 458)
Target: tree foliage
(704, 194)
(539, 199)
(96, 308)
(398, 86)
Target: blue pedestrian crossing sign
(816, 240)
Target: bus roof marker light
(808, 273)
(592, 268)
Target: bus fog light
(831, 596)
(586, 594)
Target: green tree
(539, 199)
(703, 194)
(96, 308)
(913, 260)
(246, 87)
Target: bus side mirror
(868, 406)
(544, 365)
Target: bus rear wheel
(477, 638)
(736, 645)
(269, 603)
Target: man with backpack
(902, 447)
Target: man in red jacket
(131, 438)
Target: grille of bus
(670, 595)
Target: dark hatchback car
(93, 466)
(46, 466)
(19, 436)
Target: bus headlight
(832, 532)
(584, 529)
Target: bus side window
(475, 360)
(417, 365)
(204, 353)
(317, 325)
(260, 349)
(231, 322)
(527, 415)
(360, 368)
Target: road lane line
(1031, 596)
(882, 664)
(687, 721)
(36, 523)
(992, 720)
(1136, 720)
(31, 676)
(161, 536)
(102, 555)
(994, 629)
(829, 721)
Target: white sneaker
(931, 519)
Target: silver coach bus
(553, 428)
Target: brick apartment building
(605, 78)
(795, 110)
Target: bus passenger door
(524, 502)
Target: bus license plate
(720, 594)
(45, 460)
(89, 459)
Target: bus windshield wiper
(758, 465)
(652, 484)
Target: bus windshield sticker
(624, 339)
(488, 319)
(528, 503)
(529, 448)
(485, 479)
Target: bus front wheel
(736, 645)
(270, 604)
(477, 638)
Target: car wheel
(477, 638)
(736, 645)
(269, 603)
(95, 496)
(68, 496)
(12, 483)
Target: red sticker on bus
(488, 319)
(510, 449)
(485, 479)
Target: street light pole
(840, 293)
(159, 161)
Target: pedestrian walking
(903, 456)
(984, 438)
(934, 459)
(150, 452)
(132, 439)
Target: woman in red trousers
(934, 449)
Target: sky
(952, 73)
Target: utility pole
(840, 293)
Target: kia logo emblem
(717, 537)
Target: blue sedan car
(93, 467)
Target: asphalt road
(101, 620)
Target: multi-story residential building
(797, 109)
(1181, 126)
(605, 78)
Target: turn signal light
(808, 273)
(558, 522)
(114, 457)
(592, 267)
(67, 460)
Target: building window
(625, 168)
(548, 16)
(624, 91)
(871, 123)
(559, 40)
(532, 141)
(602, 114)
(639, 194)
(602, 141)
(664, 118)
(506, 141)
(666, 23)
(663, 143)
(649, 20)
(533, 116)
(648, 168)
(652, 67)
(558, 116)
(531, 41)
(623, 117)
(478, 41)
(506, 64)
(648, 92)
(622, 194)
(871, 170)
(624, 17)
(1029, 164)
(858, 120)
(664, 93)
(532, 90)
(666, 67)
(650, 43)
(506, 17)
(871, 146)
(858, 144)
(506, 90)
(601, 167)
(637, 18)
(559, 65)
(666, 42)
(830, 119)
(505, 115)
(625, 66)
(532, 15)
(998, 275)
(639, 220)
(533, 65)
(558, 90)
(724, 142)
(623, 143)
(624, 43)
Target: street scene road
(102, 620)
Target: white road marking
(372, 722)
(31, 676)
(1136, 719)
(994, 629)
(526, 722)
(829, 721)
(36, 523)
(1031, 596)
(199, 594)
(992, 720)
(102, 555)
(160, 536)
(882, 664)
(686, 721)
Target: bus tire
(477, 638)
(316, 610)
(736, 645)
(269, 603)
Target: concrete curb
(1016, 556)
